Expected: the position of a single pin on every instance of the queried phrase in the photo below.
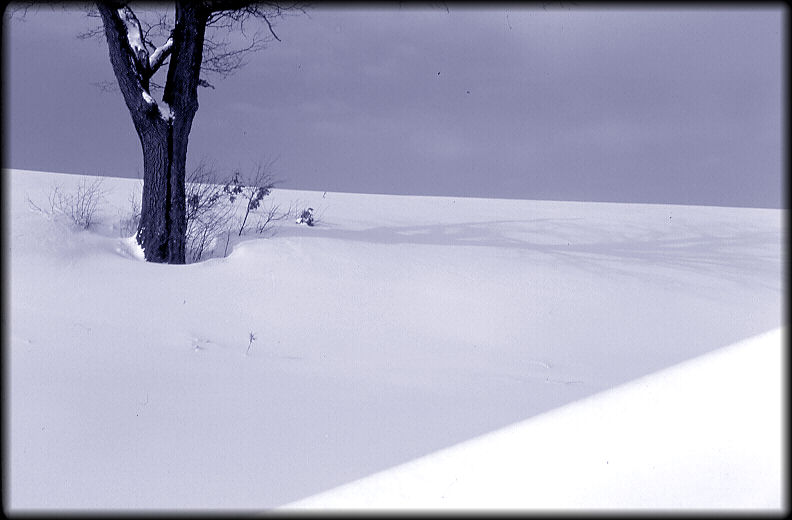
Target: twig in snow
(228, 237)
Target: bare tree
(194, 41)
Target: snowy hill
(397, 327)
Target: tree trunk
(158, 234)
(163, 134)
(181, 92)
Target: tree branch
(238, 5)
(221, 60)
(270, 27)
(159, 55)
(225, 13)
(134, 34)
(125, 67)
(221, 54)
(186, 56)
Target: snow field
(397, 327)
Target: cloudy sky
(662, 105)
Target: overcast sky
(662, 105)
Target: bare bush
(202, 192)
(269, 217)
(211, 208)
(252, 191)
(78, 207)
(208, 214)
(203, 231)
(128, 222)
(35, 207)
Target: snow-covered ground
(705, 434)
(397, 327)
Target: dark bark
(163, 223)
(164, 138)
(181, 93)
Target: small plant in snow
(306, 217)
(251, 339)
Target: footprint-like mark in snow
(566, 382)
(18, 339)
(539, 362)
(199, 344)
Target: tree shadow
(390, 414)
(404, 423)
(740, 254)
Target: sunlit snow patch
(130, 247)
(705, 433)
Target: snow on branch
(159, 55)
(165, 110)
(134, 36)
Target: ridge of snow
(703, 434)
